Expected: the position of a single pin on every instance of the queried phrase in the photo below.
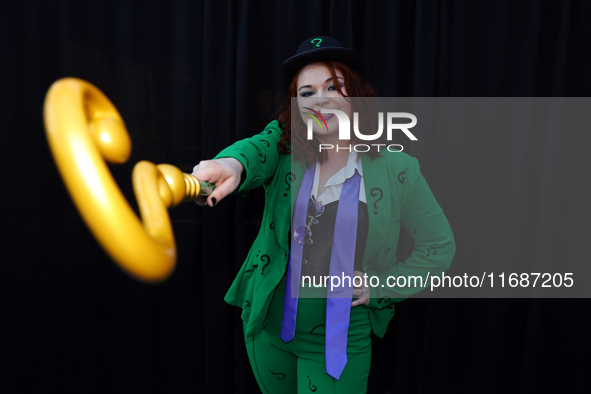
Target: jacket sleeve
(258, 155)
(434, 245)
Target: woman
(302, 337)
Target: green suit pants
(299, 365)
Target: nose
(320, 100)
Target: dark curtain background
(191, 77)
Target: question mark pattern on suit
(431, 252)
(311, 386)
(278, 375)
(264, 258)
(401, 176)
(289, 178)
(374, 192)
(409, 228)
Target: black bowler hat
(319, 48)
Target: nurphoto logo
(345, 129)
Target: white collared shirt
(332, 190)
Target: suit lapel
(297, 174)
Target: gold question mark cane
(84, 129)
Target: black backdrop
(191, 77)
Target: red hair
(354, 85)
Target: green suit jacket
(398, 197)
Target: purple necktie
(342, 261)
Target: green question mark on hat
(318, 43)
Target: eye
(334, 88)
(306, 93)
